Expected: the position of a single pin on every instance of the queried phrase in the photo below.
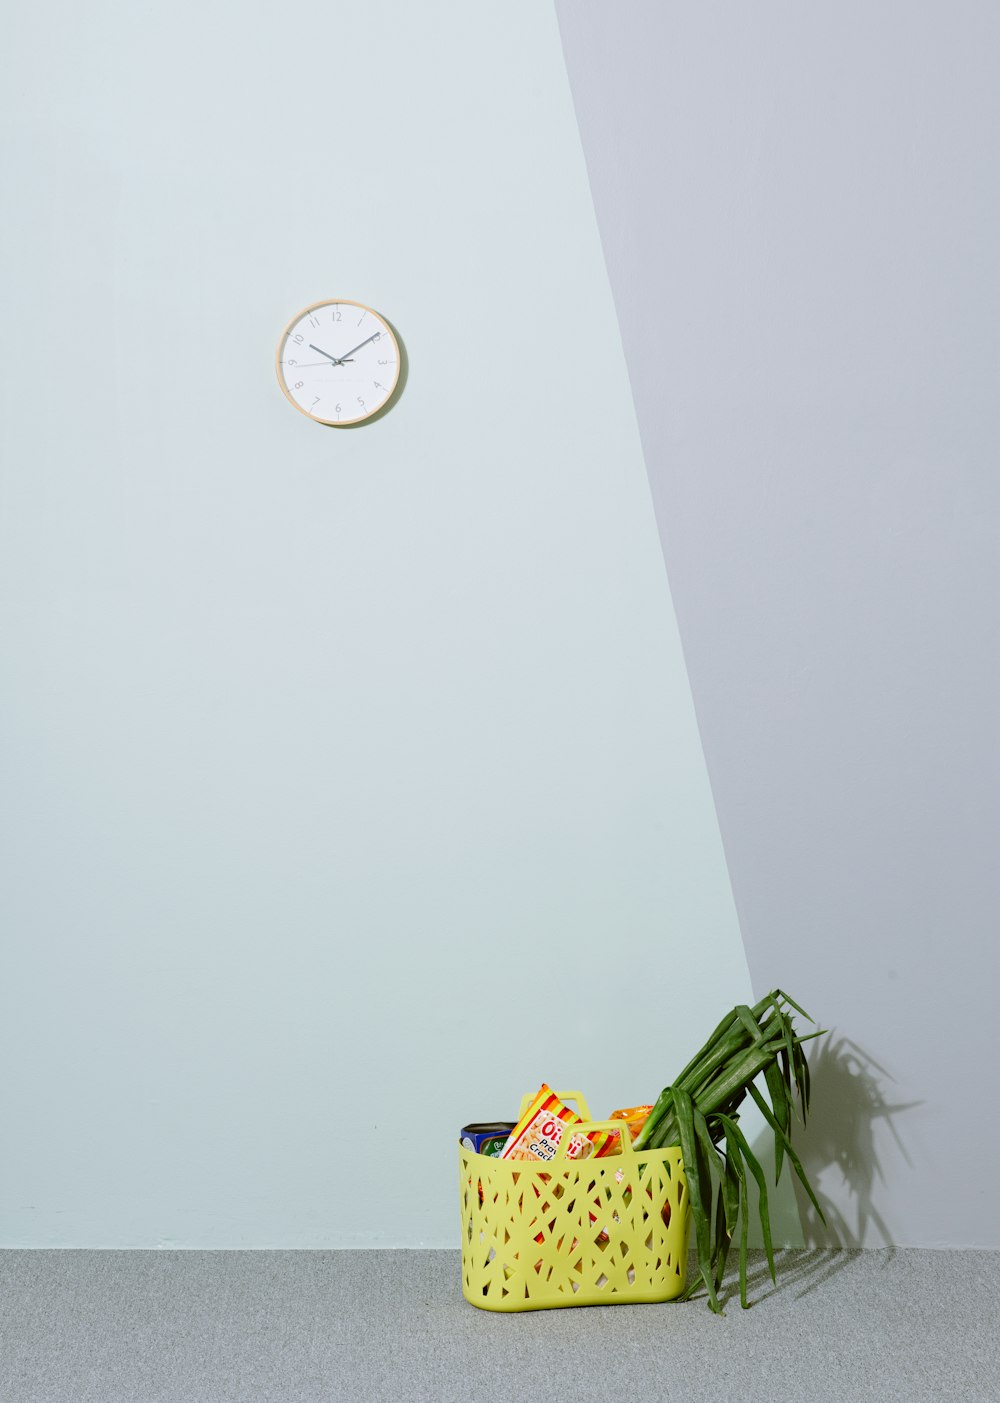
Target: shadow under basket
(574, 1232)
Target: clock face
(338, 362)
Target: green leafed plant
(699, 1111)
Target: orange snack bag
(539, 1132)
(634, 1117)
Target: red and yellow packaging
(539, 1132)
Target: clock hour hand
(337, 360)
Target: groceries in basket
(549, 1218)
(539, 1132)
(552, 1213)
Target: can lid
(492, 1127)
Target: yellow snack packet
(539, 1132)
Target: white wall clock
(338, 362)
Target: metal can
(486, 1137)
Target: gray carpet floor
(251, 1327)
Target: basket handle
(563, 1096)
(584, 1127)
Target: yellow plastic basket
(578, 1232)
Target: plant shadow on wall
(849, 1100)
(394, 398)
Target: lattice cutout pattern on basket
(576, 1232)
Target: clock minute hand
(355, 348)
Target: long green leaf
(720, 1246)
(780, 1137)
(788, 1055)
(744, 1230)
(775, 1083)
(714, 1158)
(768, 1001)
(787, 1067)
(733, 1156)
(730, 1209)
(734, 1078)
(780, 994)
(749, 1022)
(700, 1073)
(781, 1093)
(743, 1035)
(765, 1218)
(664, 1105)
(805, 1078)
(730, 1189)
(699, 1188)
(724, 1027)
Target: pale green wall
(353, 782)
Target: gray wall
(800, 215)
